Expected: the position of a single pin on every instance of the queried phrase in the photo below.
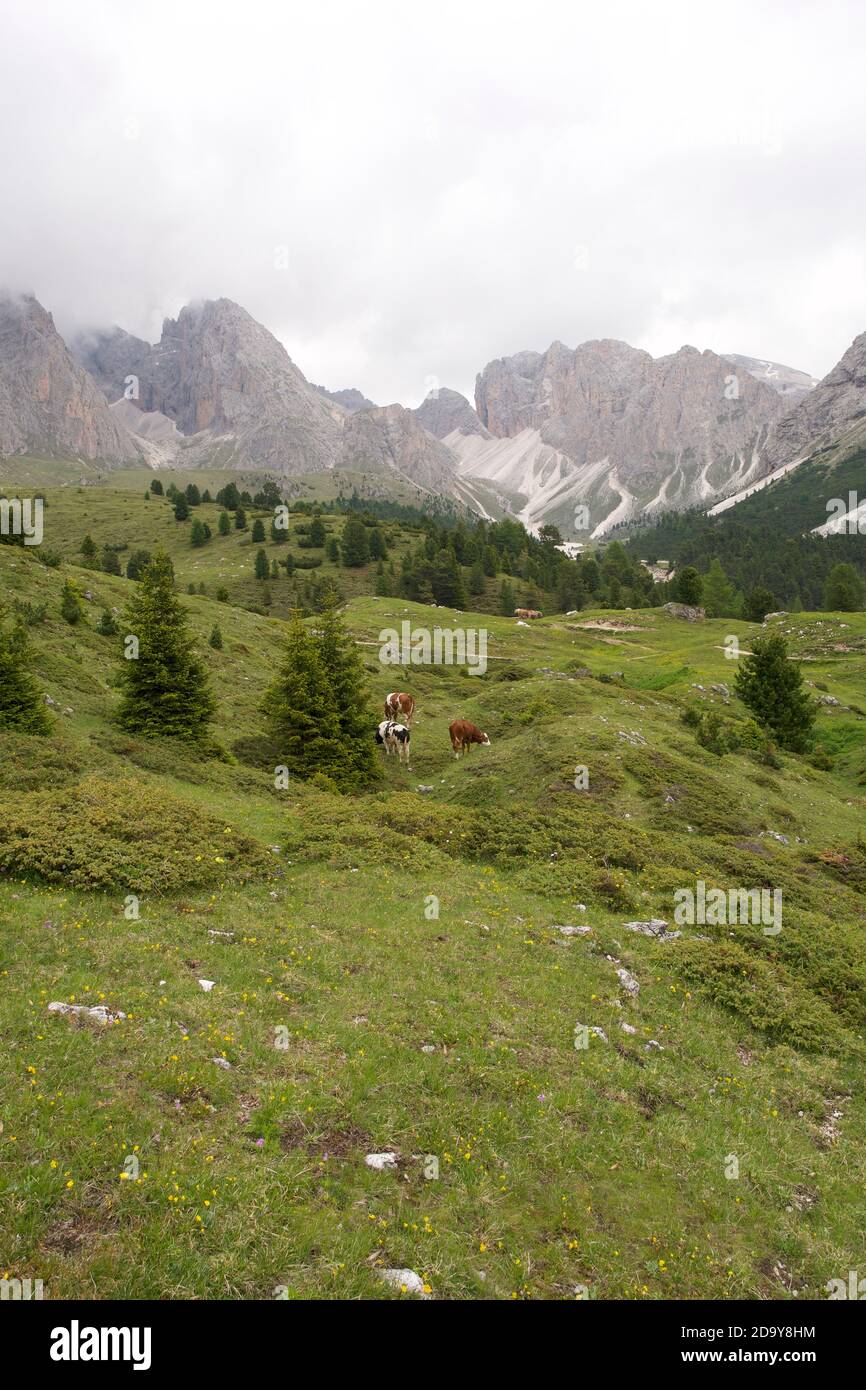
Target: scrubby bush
(110, 833)
(765, 994)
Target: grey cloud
(403, 193)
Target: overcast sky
(403, 191)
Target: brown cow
(528, 613)
(400, 706)
(463, 734)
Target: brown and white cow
(399, 705)
(528, 613)
(463, 734)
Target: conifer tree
(718, 594)
(258, 532)
(759, 603)
(300, 708)
(70, 603)
(216, 638)
(263, 569)
(107, 627)
(224, 524)
(843, 592)
(354, 543)
(165, 690)
(88, 550)
(20, 704)
(137, 563)
(772, 687)
(506, 599)
(181, 508)
(346, 676)
(688, 585)
(240, 519)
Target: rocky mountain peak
(48, 402)
(836, 406)
(444, 410)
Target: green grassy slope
(448, 1037)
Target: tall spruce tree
(20, 705)
(346, 675)
(165, 691)
(718, 596)
(772, 687)
(300, 708)
(353, 545)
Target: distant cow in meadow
(528, 613)
(399, 705)
(463, 734)
(394, 738)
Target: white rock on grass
(381, 1161)
(207, 985)
(406, 1280)
(656, 927)
(628, 981)
(572, 931)
(627, 1028)
(98, 1012)
(222, 1062)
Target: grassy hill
(353, 1019)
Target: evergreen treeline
(753, 552)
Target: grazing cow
(463, 734)
(528, 613)
(394, 738)
(399, 705)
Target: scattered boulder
(406, 1280)
(422, 788)
(627, 1027)
(222, 1062)
(685, 611)
(207, 985)
(628, 982)
(97, 1012)
(380, 1162)
(572, 931)
(656, 927)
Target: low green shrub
(122, 834)
(762, 993)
